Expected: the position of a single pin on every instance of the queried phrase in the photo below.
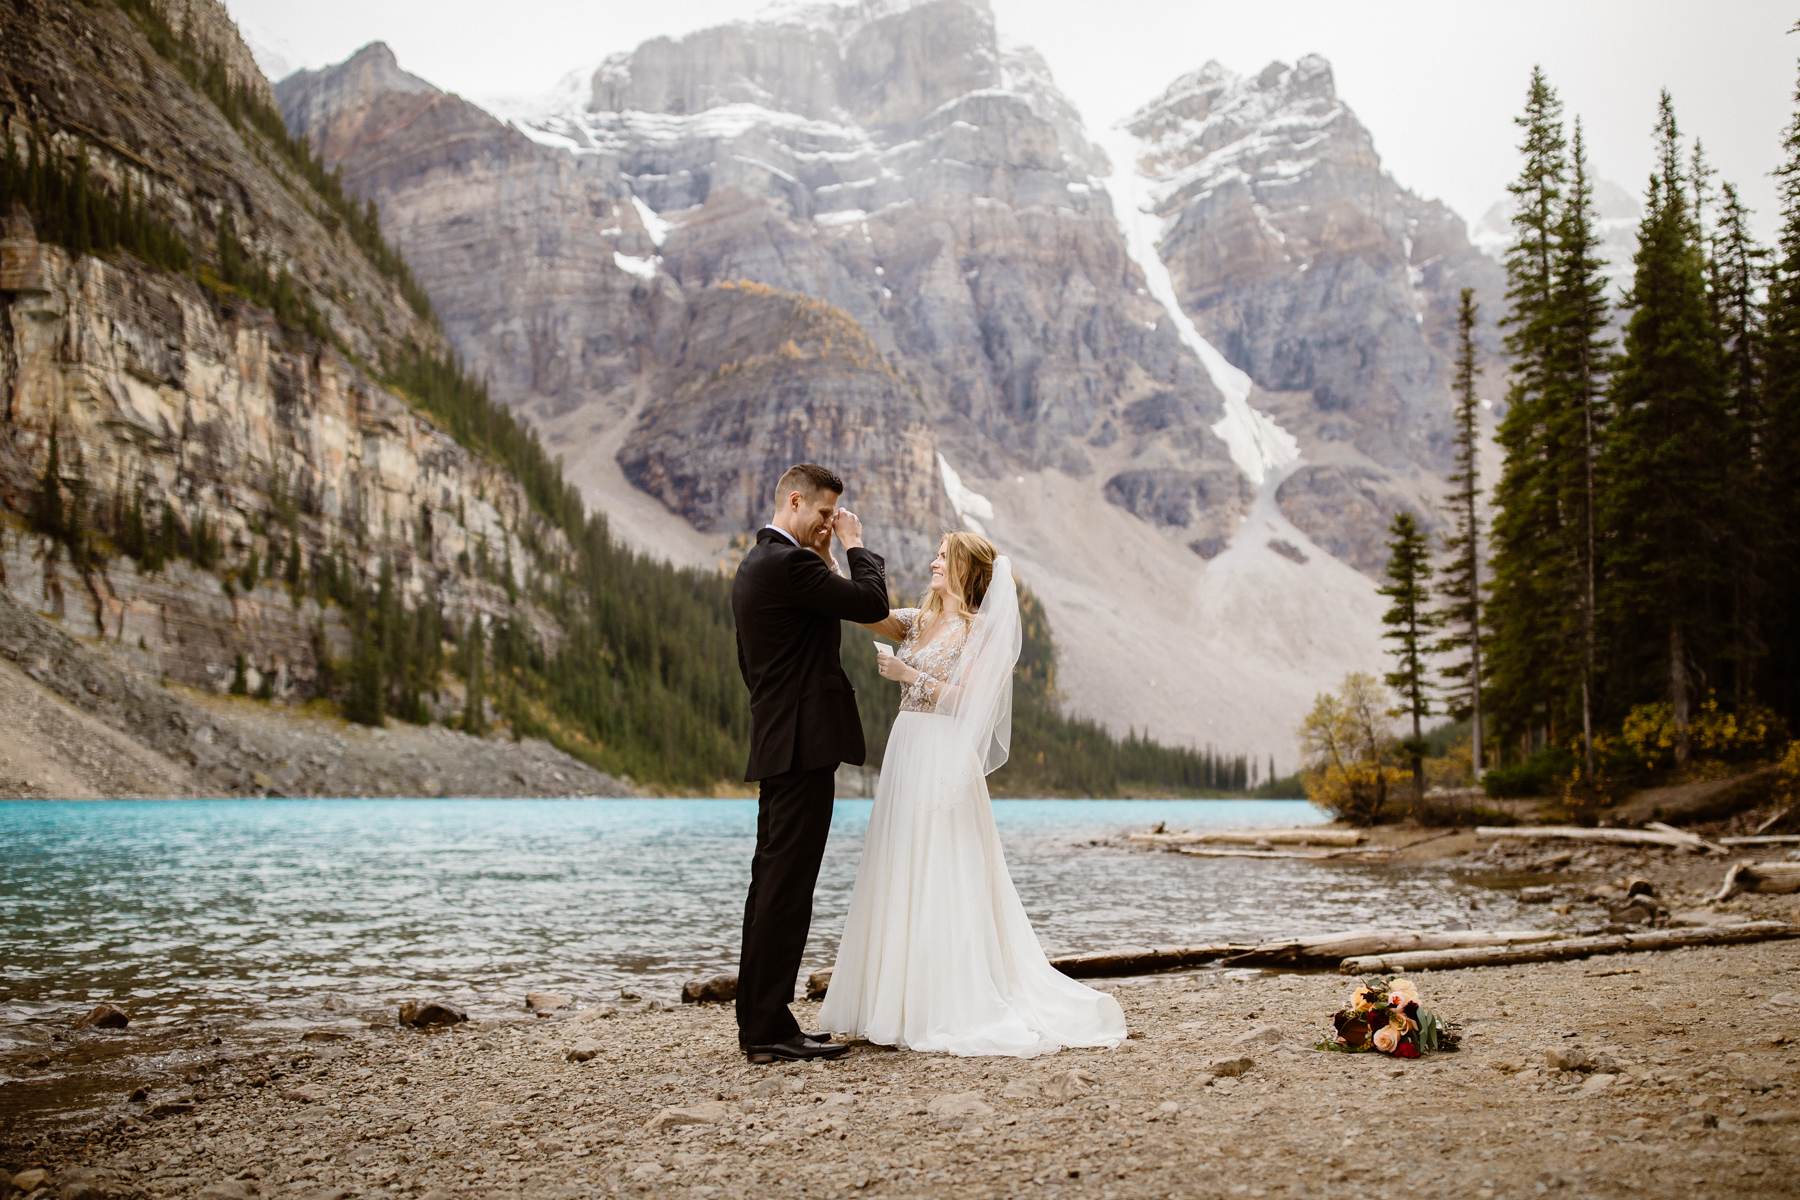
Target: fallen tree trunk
(1251, 837)
(1662, 827)
(1776, 877)
(1329, 949)
(1563, 948)
(1127, 960)
(1667, 836)
(1237, 852)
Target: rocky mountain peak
(370, 72)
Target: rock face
(1334, 288)
(768, 378)
(157, 386)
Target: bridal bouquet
(1384, 1015)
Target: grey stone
(421, 1014)
(959, 1107)
(709, 1112)
(1069, 1084)
(105, 1016)
(1229, 1067)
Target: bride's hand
(891, 667)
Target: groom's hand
(848, 527)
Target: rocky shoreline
(1640, 1074)
(90, 725)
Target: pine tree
(1460, 582)
(1576, 418)
(366, 701)
(1409, 622)
(474, 718)
(1666, 475)
(1741, 268)
(1528, 670)
(240, 679)
(1780, 430)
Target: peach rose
(1401, 992)
(1386, 1038)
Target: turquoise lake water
(292, 911)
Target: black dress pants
(793, 817)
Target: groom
(787, 601)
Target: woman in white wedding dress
(937, 952)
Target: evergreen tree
(1460, 582)
(474, 718)
(1742, 267)
(1667, 481)
(1409, 622)
(1530, 675)
(240, 679)
(366, 701)
(1575, 423)
(1780, 430)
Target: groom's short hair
(809, 479)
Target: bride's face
(940, 577)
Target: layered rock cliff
(182, 412)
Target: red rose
(1406, 1050)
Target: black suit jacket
(787, 604)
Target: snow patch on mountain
(1259, 446)
(655, 225)
(972, 508)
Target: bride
(937, 952)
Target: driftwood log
(1668, 835)
(1251, 837)
(1777, 877)
(1661, 827)
(1575, 947)
(1329, 949)
(1246, 852)
(1319, 950)
(1763, 839)
(1127, 960)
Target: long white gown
(937, 953)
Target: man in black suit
(787, 601)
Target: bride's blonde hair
(968, 569)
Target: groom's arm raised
(861, 598)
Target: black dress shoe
(794, 1049)
(824, 1039)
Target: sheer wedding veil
(979, 699)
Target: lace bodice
(934, 659)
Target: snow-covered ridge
(845, 18)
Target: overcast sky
(1436, 83)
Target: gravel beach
(1670, 1074)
